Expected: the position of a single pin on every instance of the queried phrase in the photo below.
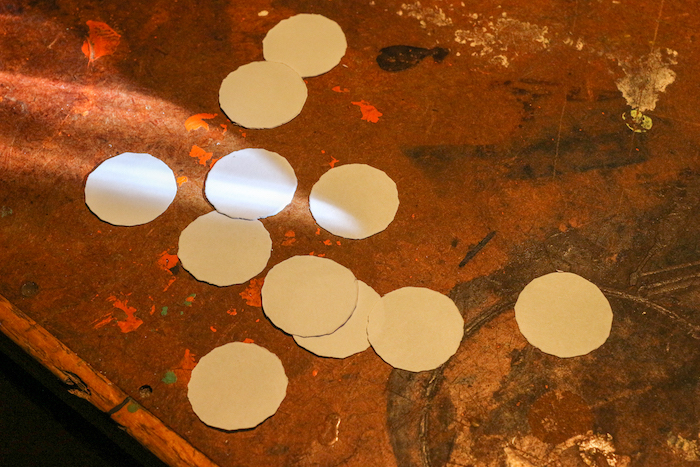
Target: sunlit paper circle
(130, 189)
(262, 95)
(237, 386)
(309, 296)
(310, 44)
(250, 184)
(222, 251)
(351, 338)
(415, 329)
(563, 314)
(354, 201)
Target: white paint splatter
(425, 15)
(646, 78)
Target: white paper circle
(310, 44)
(250, 184)
(309, 296)
(237, 386)
(262, 95)
(415, 329)
(354, 201)
(130, 189)
(351, 338)
(563, 314)
(222, 251)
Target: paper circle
(237, 386)
(250, 184)
(222, 251)
(354, 201)
(415, 329)
(310, 44)
(563, 314)
(351, 337)
(309, 296)
(130, 189)
(262, 95)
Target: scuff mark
(425, 15)
(647, 77)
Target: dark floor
(43, 425)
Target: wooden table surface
(525, 129)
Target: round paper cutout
(130, 189)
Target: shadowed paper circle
(237, 386)
(222, 251)
(262, 95)
(310, 44)
(351, 337)
(354, 201)
(415, 329)
(250, 184)
(309, 296)
(563, 314)
(130, 189)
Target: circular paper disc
(237, 386)
(262, 95)
(130, 189)
(250, 184)
(309, 296)
(351, 338)
(354, 201)
(563, 314)
(310, 44)
(222, 251)
(415, 329)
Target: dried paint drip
(403, 57)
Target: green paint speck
(5, 211)
(133, 407)
(164, 311)
(169, 378)
(182, 312)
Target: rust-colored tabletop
(547, 135)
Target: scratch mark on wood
(477, 248)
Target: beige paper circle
(222, 251)
(309, 296)
(237, 386)
(351, 338)
(354, 201)
(262, 95)
(130, 189)
(250, 184)
(415, 329)
(563, 314)
(310, 44)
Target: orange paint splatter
(251, 294)
(200, 154)
(181, 180)
(170, 282)
(232, 312)
(327, 242)
(223, 125)
(314, 373)
(106, 319)
(214, 161)
(333, 162)
(132, 322)
(369, 112)
(167, 261)
(290, 238)
(153, 309)
(318, 230)
(248, 341)
(213, 329)
(339, 89)
(185, 367)
(321, 255)
(338, 243)
(197, 121)
(102, 40)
